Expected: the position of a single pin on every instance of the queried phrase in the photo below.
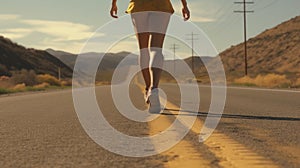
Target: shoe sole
(157, 109)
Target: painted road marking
(230, 152)
(183, 154)
(256, 89)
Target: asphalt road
(266, 121)
(259, 128)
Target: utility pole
(192, 39)
(245, 11)
(174, 48)
(59, 73)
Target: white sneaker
(155, 106)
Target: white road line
(256, 89)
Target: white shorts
(151, 22)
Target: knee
(144, 53)
(144, 58)
(157, 52)
(158, 57)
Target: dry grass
(4, 78)
(5, 90)
(46, 78)
(270, 81)
(274, 51)
(297, 83)
(42, 85)
(101, 83)
(19, 87)
(5, 82)
(42, 82)
(66, 83)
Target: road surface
(259, 128)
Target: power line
(226, 15)
(245, 11)
(223, 20)
(222, 8)
(266, 6)
(225, 27)
(192, 39)
(223, 17)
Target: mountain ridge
(275, 50)
(14, 57)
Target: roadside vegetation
(268, 81)
(28, 80)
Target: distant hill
(109, 61)
(16, 57)
(67, 58)
(198, 62)
(276, 50)
(182, 68)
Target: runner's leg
(140, 22)
(158, 23)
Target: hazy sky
(67, 24)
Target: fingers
(186, 14)
(114, 12)
(183, 13)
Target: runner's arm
(114, 9)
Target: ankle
(154, 87)
(147, 88)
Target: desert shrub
(4, 78)
(20, 87)
(297, 83)
(4, 70)
(102, 83)
(33, 89)
(5, 82)
(46, 78)
(273, 80)
(67, 82)
(5, 91)
(269, 80)
(28, 77)
(246, 80)
(41, 86)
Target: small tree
(4, 70)
(28, 77)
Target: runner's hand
(186, 13)
(114, 11)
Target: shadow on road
(249, 117)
